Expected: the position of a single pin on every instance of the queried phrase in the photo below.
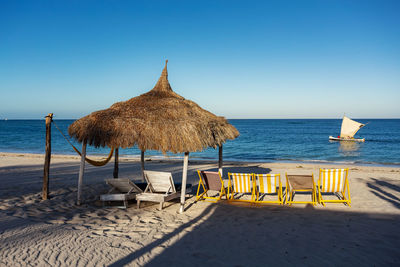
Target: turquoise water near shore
(298, 140)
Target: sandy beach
(56, 232)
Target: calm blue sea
(299, 140)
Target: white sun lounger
(123, 189)
(160, 188)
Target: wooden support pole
(81, 171)
(184, 178)
(142, 164)
(220, 161)
(116, 156)
(47, 157)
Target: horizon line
(305, 118)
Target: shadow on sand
(233, 235)
(380, 189)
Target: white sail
(349, 127)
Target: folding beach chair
(210, 181)
(241, 184)
(334, 181)
(123, 189)
(160, 188)
(301, 184)
(268, 184)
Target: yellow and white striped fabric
(267, 183)
(242, 182)
(332, 180)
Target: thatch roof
(157, 120)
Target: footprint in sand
(56, 221)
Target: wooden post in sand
(184, 178)
(47, 157)
(220, 162)
(116, 156)
(81, 170)
(142, 164)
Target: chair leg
(228, 196)
(348, 193)
(223, 193)
(321, 200)
(198, 197)
(288, 197)
(347, 200)
(315, 197)
(201, 197)
(161, 205)
(285, 198)
(138, 204)
(197, 194)
(314, 200)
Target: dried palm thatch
(157, 120)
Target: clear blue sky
(238, 59)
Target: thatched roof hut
(157, 120)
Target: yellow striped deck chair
(267, 184)
(241, 184)
(334, 181)
(210, 181)
(301, 184)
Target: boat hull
(346, 139)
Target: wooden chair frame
(122, 189)
(167, 193)
(279, 191)
(231, 188)
(290, 192)
(205, 195)
(342, 197)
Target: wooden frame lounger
(210, 181)
(334, 181)
(160, 188)
(268, 184)
(123, 189)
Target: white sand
(56, 232)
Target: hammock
(90, 161)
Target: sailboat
(348, 130)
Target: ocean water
(298, 140)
